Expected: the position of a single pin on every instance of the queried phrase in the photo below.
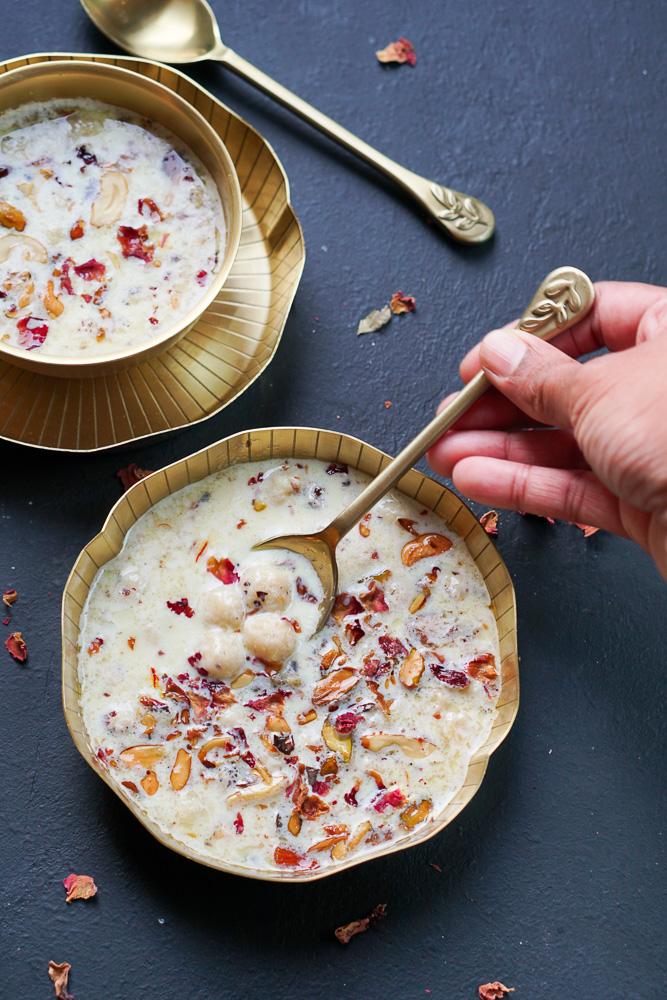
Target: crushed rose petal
(181, 607)
(587, 529)
(238, 823)
(494, 991)
(489, 522)
(134, 243)
(132, 474)
(59, 974)
(453, 678)
(347, 722)
(16, 646)
(393, 798)
(401, 303)
(347, 931)
(32, 332)
(95, 645)
(399, 52)
(223, 569)
(79, 887)
(91, 270)
(9, 597)
(392, 647)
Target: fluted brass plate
(277, 443)
(226, 349)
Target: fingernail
(501, 352)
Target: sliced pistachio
(110, 202)
(142, 756)
(412, 669)
(410, 745)
(336, 742)
(32, 249)
(424, 546)
(258, 791)
(181, 770)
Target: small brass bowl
(125, 89)
(275, 444)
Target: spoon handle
(466, 219)
(563, 299)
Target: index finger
(612, 322)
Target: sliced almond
(335, 686)
(336, 742)
(110, 202)
(11, 218)
(247, 677)
(294, 824)
(217, 741)
(258, 791)
(417, 602)
(359, 834)
(303, 718)
(142, 756)
(415, 814)
(149, 783)
(181, 770)
(276, 724)
(324, 845)
(423, 547)
(410, 745)
(411, 670)
(32, 249)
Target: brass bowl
(125, 89)
(276, 443)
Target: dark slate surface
(551, 879)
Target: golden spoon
(563, 299)
(185, 31)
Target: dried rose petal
(290, 859)
(483, 667)
(453, 678)
(354, 632)
(87, 157)
(148, 208)
(393, 798)
(494, 991)
(344, 605)
(401, 303)
(181, 607)
(392, 647)
(134, 243)
(59, 974)
(334, 468)
(347, 931)
(200, 277)
(238, 823)
(32, 332)
(587, 529)
(269, 700)
(132, 474)
(9, 597)
(399, 52)
(222, 569)
(16, 646)
(489, 522)
(373, 600)
(79, 887)
(95, 645)
(347, 722)
(91, 270)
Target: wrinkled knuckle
(654, 321)
(575, 496)
(521, 488)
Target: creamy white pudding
(204, 695)
(110, 229)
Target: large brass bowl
(277, 443)
(125, 89)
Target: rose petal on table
(347, 931)
(494, 991)
(489, 522)
(59, 974)
(16, 646)
(374, 320)
(401, 303)
(9, 597)
(79, 887)
(132, 474)
(399, 52)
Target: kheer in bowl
(120, 217)
(195, 687)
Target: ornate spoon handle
(563, 299)
(466, 219)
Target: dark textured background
(553, 113)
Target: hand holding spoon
(186, 31)
(563, 299)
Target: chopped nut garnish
(11, 218)
(181, 770)
(109, 204)
(324, 845)
(335, 686)
(411, 746)
(142, 756)
(415, 814)
(336, 742)
(52, 303)
(247, 677)
(303, 718)
(32, 249)
(294, 824)
(149, 783)
(418, 602)
(276, 724)
(423, 547)
(411, 669)
(259, 790)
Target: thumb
(535, 376)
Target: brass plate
(228, 347)
(277, 443)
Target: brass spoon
(185, 31)
(563, 299)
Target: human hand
(582, 442)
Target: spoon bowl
(186, 31)
(565, 296)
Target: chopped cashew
(109, 204)
(258, 791)
(32, 249)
